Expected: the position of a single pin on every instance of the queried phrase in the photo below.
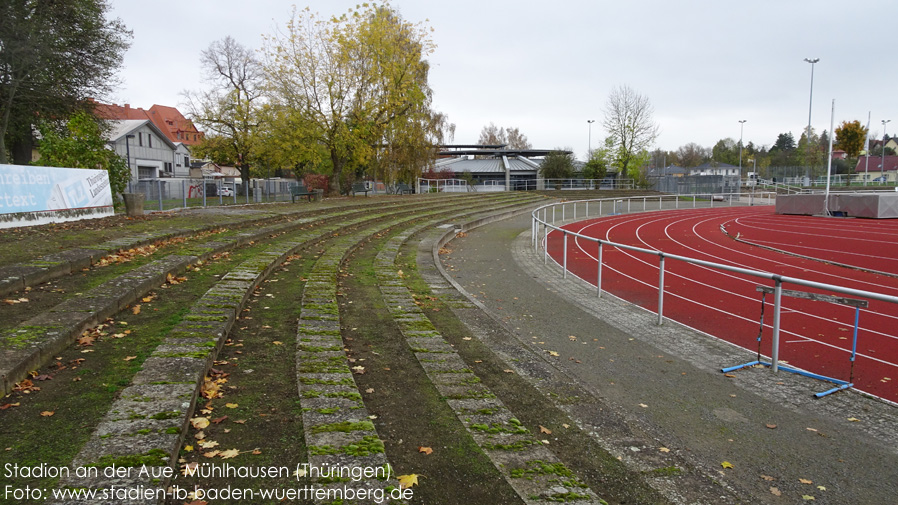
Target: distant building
(714, 168)
(148, 150)
(871, 169)
(167, 119)
(494, 168)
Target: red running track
(815, 336)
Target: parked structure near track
(869, 205)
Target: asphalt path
(780, 445)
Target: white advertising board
(39, 195)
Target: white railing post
(661, 289)
(644, 203)
(599, 275)
(587, 209)
(777, 310)
(546, 245)
(564, 261)
(562, 212)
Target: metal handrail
(776, 278)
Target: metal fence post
(159, 187)
(562, 212)
(777, 309)
(184, 191)
(599, 275)
(564, 261)
(661, 289)
(587, 209)
(546, 244)
(643, 204)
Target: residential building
(167, 119)
(870, 168)
(149, 152)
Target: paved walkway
(662, 394)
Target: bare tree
(630, 126)
(512, 138)
(692, 155)
(229, 109)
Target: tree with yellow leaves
(353, 87)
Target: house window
(140, 139)
(150, 139)
(186, 161)
(194, 137)
(168, 167)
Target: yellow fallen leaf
(807, 497)
(425, 450)
(135, 309)
(805, 481)
(207, 444)
(188, 448)
(767, 477)
(726, 464)
(211, 454)
(230, 453)
(129, 358)
(199, 422)
(853, 419)
(407, 481)
(553, 353)
(664, 449)
(47, 413)
(277, 342)
(231, 405)
(822, 488)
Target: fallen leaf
(47, 413)
(807, 497)
(218, 420)
(240, 421)
(805, 481)
(767, 477)
(129, 358)
(566, 426)
(775, 492)
(425, 450)
(643, 405)
(369, 390)
(135, 309)
(543, 429)
(230, 453)
(407, 481)
(207, 444)
(730, 375)
(822, 488)
(359, 370)
(277, 342)
(771, 426)
(86, 340)
(553, 353)
(211, 454)
(664, 449)
(231, 405)
(726, 464)
(508, 371)
(199, 422)
(853, 419)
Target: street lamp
(590, 122)
(883, 166)
(741, 130)
(811, 61)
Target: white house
(149, 152)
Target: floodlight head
(812, 60)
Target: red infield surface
(814, 336)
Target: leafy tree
(558, 164)
(597, 165)
(53, 56)
(80, 143)
(231, 110)
(630, 126)
(352, 84)
(784, 142)
(726, 151)
(850, 137)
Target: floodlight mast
(812, 61)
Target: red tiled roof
(168, 119)
(891, 163)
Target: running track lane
(815, 336)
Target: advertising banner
(37, 189)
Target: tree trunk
(337, 172)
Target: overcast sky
(547, 67)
